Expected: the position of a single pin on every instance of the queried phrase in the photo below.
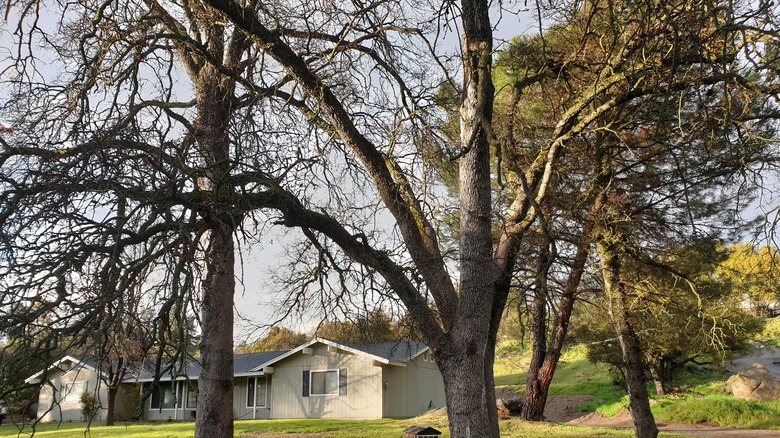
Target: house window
(192, 396)
(163, 397)
(256, 392)
(71, 392)
(324, 382)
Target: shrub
(89, 406)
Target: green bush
(89, 406)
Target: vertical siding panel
(363, 399)
(412, 389)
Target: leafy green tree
(277, 338)
(681, 314)
(89, 406)
(373, 327)
(649, 161)
(754, 275)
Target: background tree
(754, 276)
(679, 319)
(277, 338)
(373, 327)
(645, 112)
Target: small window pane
(261, 391)
(71, 392)
(324, 382)
(250, 392)
(192, 395)
(163, 397)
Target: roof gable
(65, 364)
(390, 353)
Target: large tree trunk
(635, 368)
(214, 417)
(466, 353)
(469, 390)
(215, 384)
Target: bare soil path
(769, 357)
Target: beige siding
(409, 391)
(364, 380)
(60, 397)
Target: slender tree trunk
(658, 380)
(115, 372)
(111, 404)
(634, 364)
(541, 371)
(535, 394)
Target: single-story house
(59, 397)
(319, 379)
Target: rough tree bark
(215, 384)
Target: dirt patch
(623, 421)
(559, 408)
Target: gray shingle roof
(242, 363)
(399, 351)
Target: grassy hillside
(701, 399)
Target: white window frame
(71, 391)
(311, 381)
(255, 384)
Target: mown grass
(328, 428)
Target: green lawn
(329, 428)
